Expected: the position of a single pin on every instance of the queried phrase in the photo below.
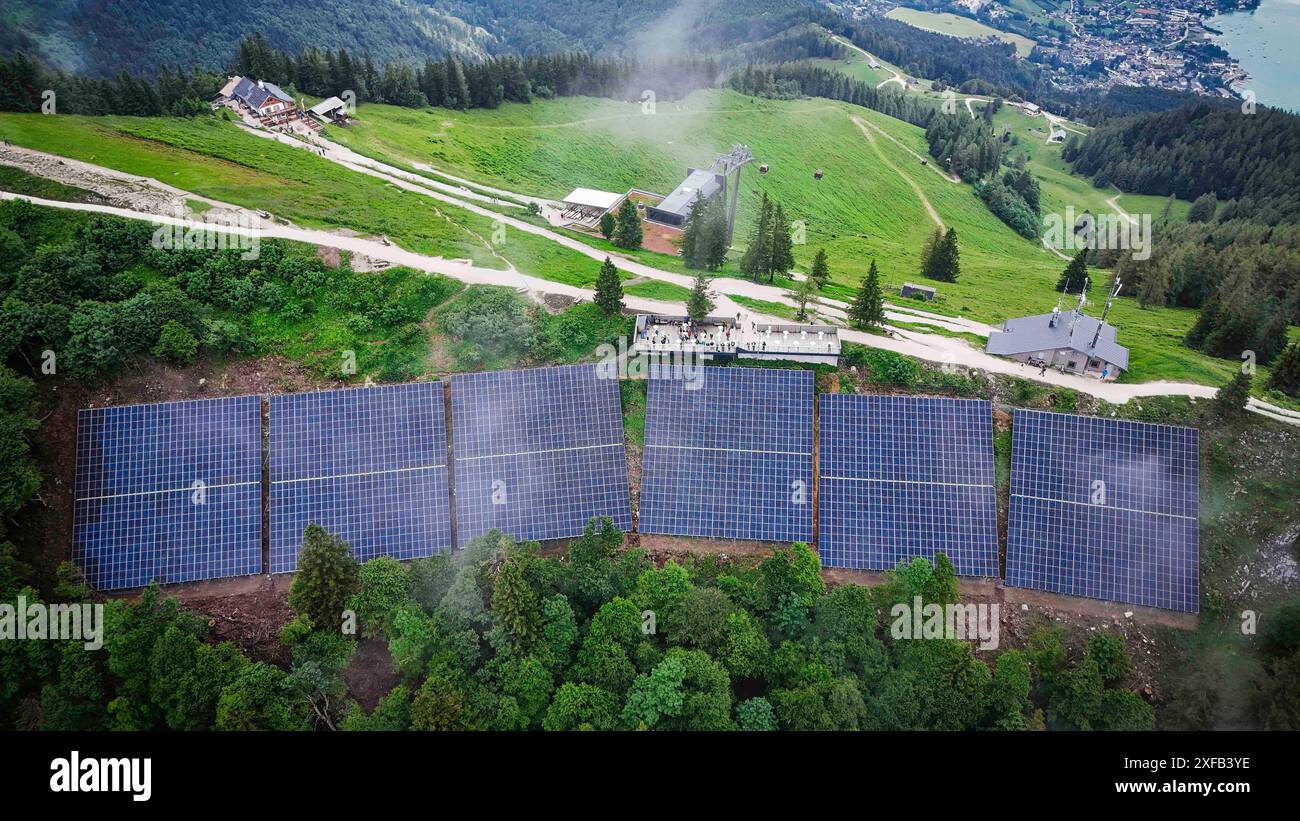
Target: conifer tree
(701, 302)
(927, 250)
(869, 306)
(1230, 402)
(713, 245)
(755, 260)
(943, 263)
(1286, 371)
(607, 225)
(627, 226)
(781, 248)
(1072, 277)
(609, 291)
(820, 270)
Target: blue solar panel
(369, 465)
(1105, 508)
(538, 452)
(903, 477)
(168, 492)
(728, 454)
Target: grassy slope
(862, 209)
(218, 160)
(958, 26)
(859, 210)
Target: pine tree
(328, 575)
(944, 263)
(1230, 402)
(781, 249)
(609, 290)
(691, 238)
(754, 263)
(1072, 277)
(927, 250)
(700, 303)
(607, 225)
(1154, 290)
(627, 226)
(869, 306)
(457, 86)
(1203, 208)
(1286, 371)
(713, 240)
(820, 271)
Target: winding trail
(929, 347)
(866, 132)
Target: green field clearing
(652, 289)
(957, 26)
(213, 158)
(860, 210)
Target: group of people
(685, 333)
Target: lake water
(1265, 42)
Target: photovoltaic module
(728, 453)
(906, 477)
(168, 492)
(369, 465)
(538, 452)
(1105, 508)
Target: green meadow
(865, 207)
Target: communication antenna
(1078, 305)
(1110, 301)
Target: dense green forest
(1247, 160)
(448, 82)
(788, 81)
(105, 37)
(498, 637)
(1238, 254)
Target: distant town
(1099, 44)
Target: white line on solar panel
(733, 450)
(906, 481)
(532, 452)
(353, 475)
(156, 492)
(1105, 507)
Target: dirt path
(114, 187)
(864, 125)
(920, 195)
(929, 347)
(1113, 202)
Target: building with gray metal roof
(1070, 341)
(699, 186)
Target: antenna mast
(1102, 321)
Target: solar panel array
(367, 464)
(538, 452)
(168, 492)
(1105, 508)
(728, 453)
(906, 477)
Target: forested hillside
(103, 37)
(1238, 255)
(1187, 152)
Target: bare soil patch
(371, 676)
